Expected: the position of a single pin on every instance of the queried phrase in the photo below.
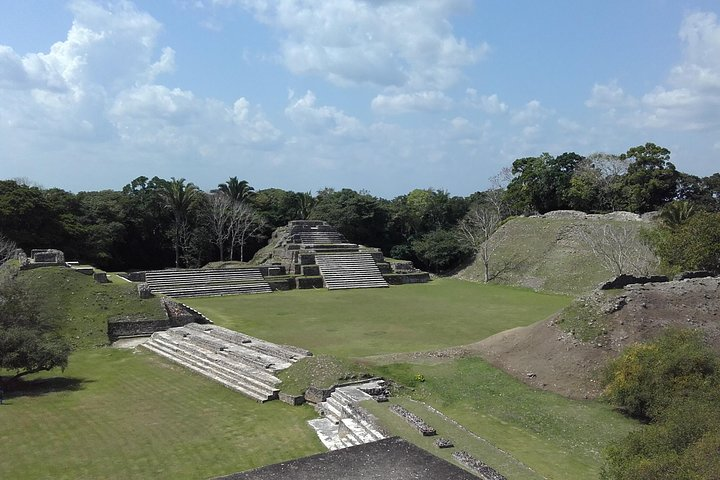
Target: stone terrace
(207, 282)
(238, 361)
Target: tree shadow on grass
(42, 386)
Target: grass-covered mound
(81, 306)
(362, 322)
(322, 371)
(547, 253)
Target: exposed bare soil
(546, 356)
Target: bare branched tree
(479, 230)
(619, 248)
(218, 218)
(244, 223)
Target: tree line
(154, 223)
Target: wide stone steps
(356, 270)
(261, 367)
(235, 352)
(213, 282)
(342, 424)
(286, 352)
(187, 361)
(212, 290)
(320, 237)
(226, 357)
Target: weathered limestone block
(291, 399)
(48, 255)
(144, 290)
(317, 395)
(101, 277)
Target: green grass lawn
(362, 322)
(119, 414)
(557, 437)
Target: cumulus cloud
(609, 96)
(487, 103)
(391, 43)
(532, 112)
(311, 118)
(690, 99)
(427, 101)
(101, 83)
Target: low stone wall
(180, 315)
(415, 421)
(129, 326)
(132, 276)
(406, 278)
(309, 282)
(282, 284)
(272, 270)
(484, 470)
(310, 270)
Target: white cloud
(532, 112)
(322, 119)
(390, 43)
(487, 103)
(99, 84)
(609, 96)
(427, 101)
(690, 99)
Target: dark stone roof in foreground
(389, 459)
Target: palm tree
(676, 213)
(237, 190)
(178, 197)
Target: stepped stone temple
(304, 254)
(317, 255)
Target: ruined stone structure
(343, 422)
(319, 256)
(238, 361)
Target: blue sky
(378, 95)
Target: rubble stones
(417, 422)
(485, 471)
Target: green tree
(440, 249)
(692, 245)
(359, 216)
(541, 183)
(179, 197)
(29, 341)
(238, 190)
(651, 179)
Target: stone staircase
(320, 238)
(240, 362)
(349, 270)
(207, 282)
(344, 423)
